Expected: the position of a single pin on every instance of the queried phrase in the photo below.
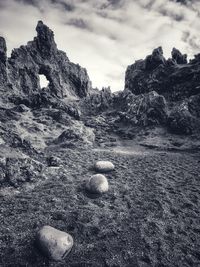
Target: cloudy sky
(105, 36)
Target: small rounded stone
(104, 166)
(54, 243)
(97, 184)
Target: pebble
(54, 243)
(104, 166)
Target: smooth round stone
(97, 184)
(54, 243)
(104, 166)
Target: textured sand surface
(149, 217)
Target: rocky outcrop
(41, 56)
(178, 57)
(194, 105)
(143, 110)
(3, 63)
(15, 171)
(174, 78)
(184, 118)
(97, 101)
(76, 135)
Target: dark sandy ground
(149, 217)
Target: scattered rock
(21, 170)
(22, 108)
(181, 121)
(104, 166)
(97, 101)
(54, 243)
(143, 110)
(53, 161)
(97, 184)
(3, 62)
(78, 134)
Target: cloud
(105, 36)
(79, 23)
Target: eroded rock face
(182, 118)
(143, 110)
(97, 101)
(41, 56)
(173, 78)
(3, 63)
(77, 134)
(178, 57)
(15, 171)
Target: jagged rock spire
(178, 56)
(45, 40)
(3, 50)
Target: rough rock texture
(3, 63)
(16, 171)
(178, 57)
(172, 78)
(41, 56)
(144, 109)
(53, 161)
(97, 101)
(194, 105)
(181, 120)
(76, 135)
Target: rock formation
(69, 113)
(144, 109)
(20, 73)
(174, 78)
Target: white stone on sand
(98, 184)
(104, 166)
(54, 243)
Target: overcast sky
(105, 36)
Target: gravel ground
(149, 217)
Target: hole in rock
(43, 81)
